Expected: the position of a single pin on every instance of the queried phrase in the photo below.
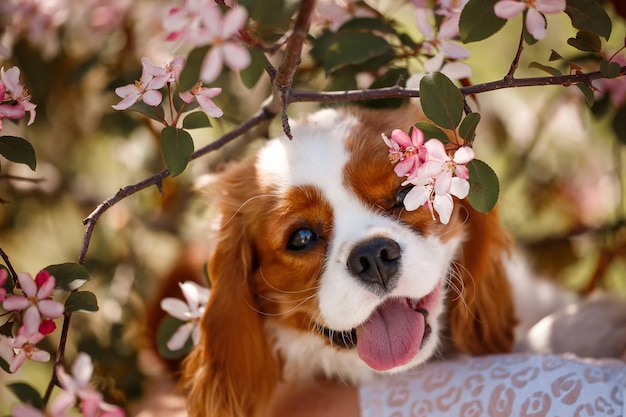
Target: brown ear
(232, 372)
(483, 319)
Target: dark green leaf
(81, 301)
(271, 17)
(589, 15)
(18, 150)
(366, 24)
(167, 328)
(190, 75)
(177, 147)
(3, 364)
(545, 68)
(68, 276)
(147, 110)
(394, 76)
(441, 100)
(484, 186)
(479, 21)
(27, 394)
(196, 120)
(321, 45)
(619, 124)
(587, 91)
(253, 72)
(467, 130)
(586, 41)
(432, 132)
(610, 69)
(555, 56)
(353, 48)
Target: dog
(319, 271)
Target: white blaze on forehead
(315, 156)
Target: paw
(594, 327)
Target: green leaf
(196, 120)
(441, 100)
(147, 110)
(587, 92)
(479, 21)
(619, 124)
(353, 48)
(68, 276)
(432, 132)
(321, 45)
(253, 72)
(167, 328)
(81, 301)
(3, 364)
(177, 147)
(545, 68)
(27, 394)
(18, 150)
(555, 56)
(589, 15)
(610, 69)
(366, 24)
(484, 186)
(467, 130)
(190, 75)
(586, 41)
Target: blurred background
(560, 165)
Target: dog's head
(319, 269)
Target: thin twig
(5, 257)
(291, 60)
(520, 47)
(17, 178)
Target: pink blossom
(439, 43)
(36, 302)
(189, 311)
(334, 13)
(425, 192)
(174, 68)
(440, 166)
(153, 78)
(201, 22)
(13, 91)
(78, 385)
(204, 95)
(16, 351)
(535, 20)
(407, 152)
(227, 47)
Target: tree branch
(291, 60)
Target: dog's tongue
(391, 336)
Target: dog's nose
(376, 261)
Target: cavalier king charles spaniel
(320, 272)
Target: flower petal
(27, 284)
(82, 370)
(443, 205)
(180, 337)
(152, 97)
(422, 21)
(454, 50)
(459, 187)
(507, 9)
(237, 57)
(463, 155)
(212, 64)
(234, 21)
(456, 70)
(176, 308)
(39, 355)
(51, 308)
(32, 320)
(209, 107)
(416, 197)
(15, 302)
(536, 24)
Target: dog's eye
(399, 201)
(301, 239)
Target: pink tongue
(391, 336)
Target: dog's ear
(482, 317)
(232, 372)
